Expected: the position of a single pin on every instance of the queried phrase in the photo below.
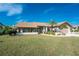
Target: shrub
(51, 32)
(12, 32)
(76, 30)
(6, 31)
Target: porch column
(69, 30)
(17, 30)
(21, 30)
(36, 29)
(46, 29)
(43, 30)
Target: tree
(52, 23)
(7, 29)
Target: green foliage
(51, 32)
(76, 30)
(71, 30)
(52, 22)
(5, 29)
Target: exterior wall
(66, 30)
(44, 30)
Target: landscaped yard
(38, 45)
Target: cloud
(11, 9)
(21, 20)
(48, 10)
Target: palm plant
(52, 23)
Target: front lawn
(38, 45)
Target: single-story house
(38, 27)
(32, 27)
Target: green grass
(37, 45)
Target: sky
(12, 13)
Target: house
(32, 27)
(39, 27)
(63, 27)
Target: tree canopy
(52, 22)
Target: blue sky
(39, 12)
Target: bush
(51, 32)
(76, 31)
(7, 31)
(12, 32)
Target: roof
(31, 24)
(61, 23)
